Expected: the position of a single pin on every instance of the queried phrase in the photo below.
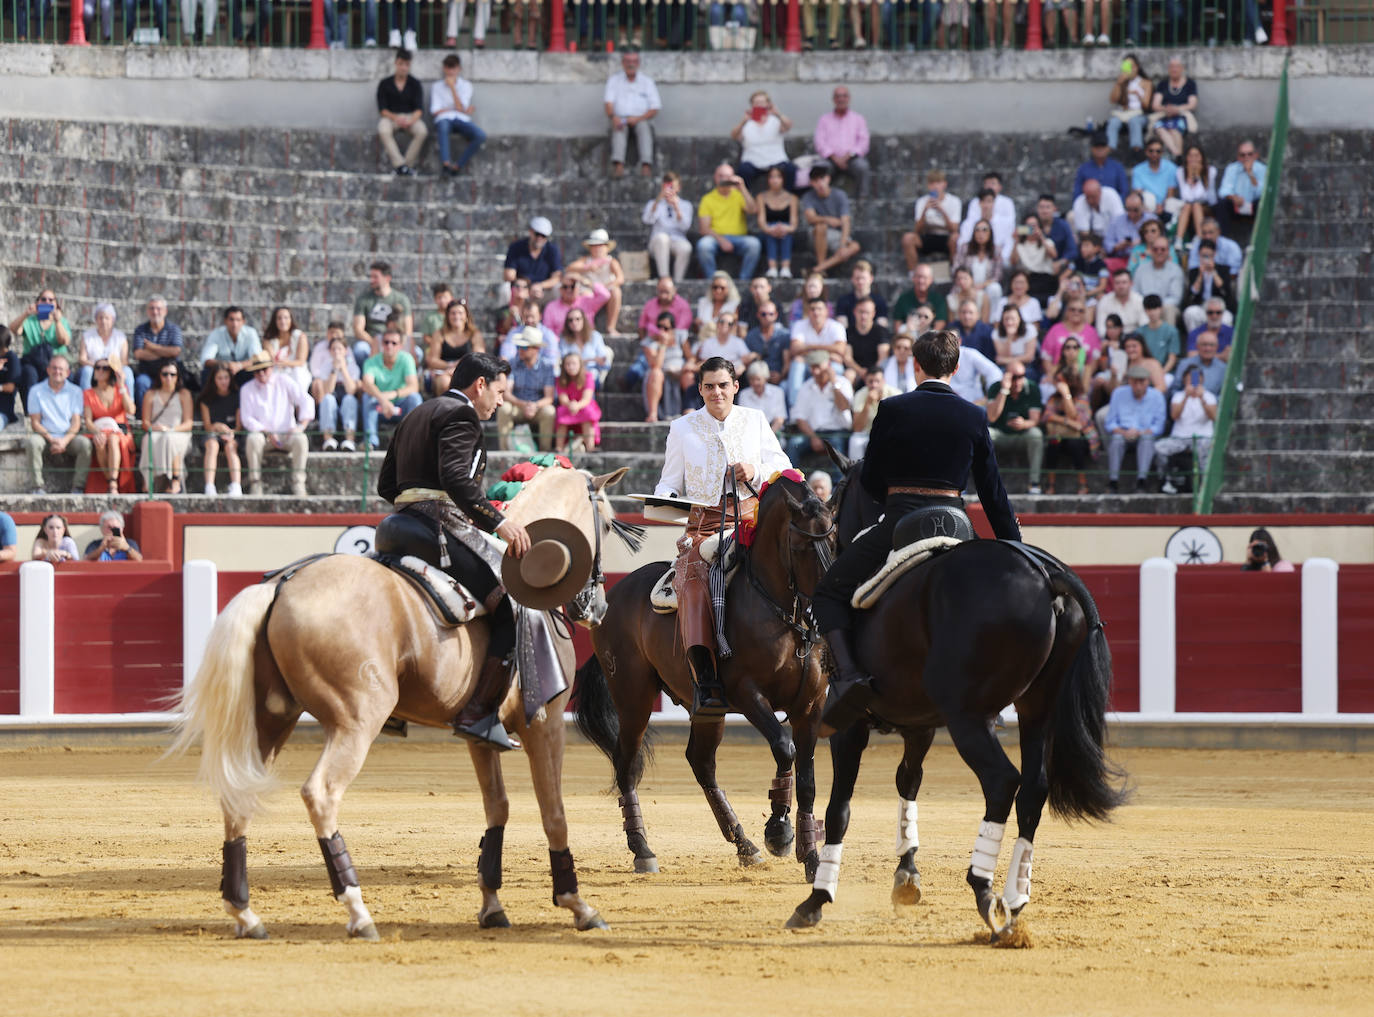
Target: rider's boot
(480, 720)
(708, 694)
(850, 689)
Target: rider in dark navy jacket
(921, 451)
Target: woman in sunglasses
(167, 418)
(108, 406)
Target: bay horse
(354, 643)
(952, 643)
(775, 665)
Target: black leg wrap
(233, 880)
(489, 861)
(340, 866)
(720, 808)
(564, 875)
(629, 811)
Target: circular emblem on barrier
(356, 540)
(1193, 545)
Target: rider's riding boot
(850, 689)
(708, 695)
(480, 720)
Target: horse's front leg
(906, 881)
(810, 830)
(544, 739)
(487, 764)
(777, 832)
(702, 743)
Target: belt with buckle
(936, 492)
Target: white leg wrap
(828, 872)
(1017, 891)
(358, 916)
(244, 919)
(906, 827)
(986, 848)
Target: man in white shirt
(1003, 229)
(1194, 411)
(1003, 216)
(631, 101)
(974, 376)
(760, 395)
(816, 329)
(451, 107)
(1123, 301)
(821, 412)
(275, 411)
(1094, 209)
(703, 446)
(937, 223)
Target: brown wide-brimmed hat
(259, 362)
(554, 569)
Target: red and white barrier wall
(108, 644)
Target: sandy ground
(1236, 883)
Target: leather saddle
(932, 521)
(410, 547)
(919, 535)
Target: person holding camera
(723, 224)
(1194, 413)
(669, 217)
(43, 331)
(112, 545)
(1262, 554)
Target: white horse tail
(218, 708)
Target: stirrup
(396, 727)
(847, 702)
(708, 702)
(488, 731)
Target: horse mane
(629, 534)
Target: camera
(116, 531)
(1023, 231)
(1258, 550)
(44, 311)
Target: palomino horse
(293, 645)
(952, 643)
(775, 665)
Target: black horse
(952, 643)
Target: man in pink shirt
(570, 295)
(842, 141)
(275, 411)
(666, 298)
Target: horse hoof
(812, 864)
(778, 837)
(649, 864)
(802, 919)
(367, 932)
(592, 921)
(779, 848)
(494, 920)
(996, 916)
(748, 861)
(258, 931)
(906, 890)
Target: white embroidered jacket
(700, 447)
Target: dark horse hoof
(494, 920)
(649, 864)
(258, 931)
(778, 837)
(804, 918)
(812, 862)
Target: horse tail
(1084, 783)
(600, 724)
(218, 708)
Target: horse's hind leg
(701, 754)
(906, 883)
(487, 764)
(808, 830)
(777, 832)
(846, 752)
(635, 690)
(1030, 804)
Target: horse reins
(799, 621)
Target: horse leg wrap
(720, 808)
(233, 880)
(906, 827)
(986, 848)
(629, 811)
(489, 860)
(1016, 894)
(809, 831)
(828, 872)
(780, 792)
(340, 866)
(564, 875)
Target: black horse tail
(600, 724)
(1084, 783)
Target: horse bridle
(799, 619)
(580, 606)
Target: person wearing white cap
(536, 258)
(105, 342)
(530, 396)
(599, 268)
(631, 101)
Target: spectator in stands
(1075, 327)
(1150, 230)
(821, 412)
(866, 400)
(1068, 426)
(1104, 20)
(1035, 256)
(1015, 341)
(452, 108)
(721, 297)
(669, 216)
(723, 341)
(936, 230)
(832, 22)
(826, 211)
(975, 374)
(1003, 216)
(374, 306)
(43, 328)
(777, 220)
(55, 408)
(1133, 345)
(984, 210)
(9, 534)
(573, 293)
(817, 330)
(1091, 269)
(1206, 281)
(812, 286)
(54, 542)
(666, 299)
(723, 225)
(1057, 230)
(1161, 338)
(1094, 209)
(1262, 554)
(631, 101)
(1156, 178)
(1108, 369)
(1019, 297)
(759, 133)
(535, 258)
(1228, 252)
(983, 261)
(1101, 167)
(665, 355)
(481, 17)
(288, 346)
(899, 369)
(818, 480)
(520, 12)
(922, 292)
(1160, 277)
(1050, 9)
(869, 340)
(113, 543)
(599, 268)
(842, 139)
(453, 340)
(581, 337)
(1174, 100)
(577, 407)
(973, 332)
(1215, 313)
(922, 320)
(771, 342)
(1242, 186)
(167, 422)
(1194, 413)
(1014, 415)
(11, 377)
(1205, 360)
(234, 343)
(530, 399)
(156, 341)
(1122, 301)
(760, 394)
(760, 292)
(105, 342)
(401, 105)
(508, 316)
(1130, 99)
(1123, 232)
(1135, 418)
(275, 413)
(390, 384)
(1197, 194)
(108, 406)
(219, 416)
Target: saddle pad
(899, 563)
(663, 598)
(455, 603)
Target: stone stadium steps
(1354, 435)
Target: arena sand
(1235, 883)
